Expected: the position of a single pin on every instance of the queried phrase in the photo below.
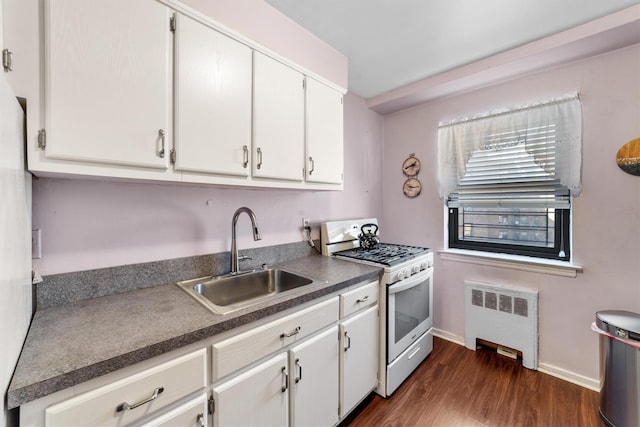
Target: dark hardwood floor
(456, 386)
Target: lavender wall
(605, 217)
(91, 224)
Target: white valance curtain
(540, 144)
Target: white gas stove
(406, 295)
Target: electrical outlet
(36, 244)
(306, 222)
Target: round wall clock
(411, 166)
(412, 187)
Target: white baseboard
(554, 371)
(457, 339)
(572, 377)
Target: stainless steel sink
(224, 294)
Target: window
(539, 232)
(508, 178)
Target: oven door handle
(411, 282)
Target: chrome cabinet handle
(313, 165)
(290, 334)
(200, 420)
(245, 156)
(259, 158)
(347, 340)
(161, 132)
(6, 60)
(299, 374)
(124, 406)
(363, 299)
(285, 385)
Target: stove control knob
(415, 269)
(430, 263)
(424, 265)
(400, 275)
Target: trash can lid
(611, 320)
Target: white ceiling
(392, 43)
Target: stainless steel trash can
(619, 367)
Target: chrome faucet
(234, 246)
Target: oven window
(411, 309)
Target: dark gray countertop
(71, 343)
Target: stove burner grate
(386, 253)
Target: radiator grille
(504, 315)
(508, 304)
(520, 307)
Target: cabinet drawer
(243, 349)
(362, 297)
(99, 407)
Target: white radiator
(503, 315)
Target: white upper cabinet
(212, 100)
(278, 120)
(122, 93)
(324, 133)
(108, 82)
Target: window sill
(514, 262)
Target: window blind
(528, 155)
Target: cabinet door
(314, 383)
(257, 397)
(108, 81)
(359, 358)
(213, 100)
(278, 120)
(324, 133)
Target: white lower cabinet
(297, 388)
(326, 365)
(257, 397)
(130, 399)
(310, 367)
(358, 358)
(314, 383)
(243, 349)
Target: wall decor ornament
(628, 157)
(412, 187)
(411, 167)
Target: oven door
(409, 311)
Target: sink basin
(223, 294)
